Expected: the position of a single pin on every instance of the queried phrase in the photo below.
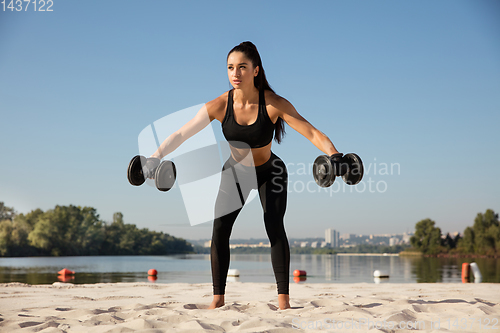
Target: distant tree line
(311, 250)
(372, 248)
(77, 231)
(483, 238)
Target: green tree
(68, 230)
(112, 235)
(427, 237)
(32, 217)
(90, 232)
(494, 233)
(466, 244)
(14, 238)
(486, 232)
(74, 230)
(19, 237)
(43, 235)
(127, 239)
(6, 213)
(449, 242)
(5, 237)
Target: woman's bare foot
(284, 301)
(217, 302)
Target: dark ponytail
(260, 81)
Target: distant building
(332, 237)
(233, 246)
(208, 243)
(406, 238)
(347, 236)
(314, 244)
(304, 244)
(393, 241)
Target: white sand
(250, 307)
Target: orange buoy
(299, 273)
(152, 272)
(465, 272)
(65, 272)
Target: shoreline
(402, 253)
(250, 307)
(367, 254)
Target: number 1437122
(25, 5)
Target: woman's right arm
(207, 113)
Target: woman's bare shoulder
(216, 108)
(277, 102)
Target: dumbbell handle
(340, 167)
(149, 169)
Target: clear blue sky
(410, 83)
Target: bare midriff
(258, 156)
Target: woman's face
(241, 71)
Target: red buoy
(299, 273)
(152, 272)
(465, 272)
(65, 272)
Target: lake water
(252, 267)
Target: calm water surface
(252, 267)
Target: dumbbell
(163, 173)
(326, 168)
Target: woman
(250, 114)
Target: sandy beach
(250, 307)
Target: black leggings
(236, 183)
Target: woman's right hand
(149, 169)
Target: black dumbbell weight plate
(165, 176)
(355, 173)
(134, 171)
(323, 171)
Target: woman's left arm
(288, 113)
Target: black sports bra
(256, 135)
